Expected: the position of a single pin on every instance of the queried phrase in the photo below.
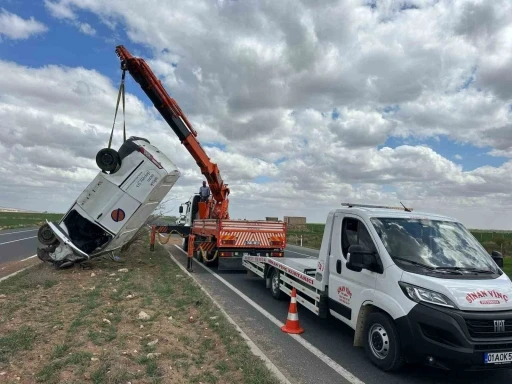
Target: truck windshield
(434, 244)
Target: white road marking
(12, 233)
(254, 348)
(27, 258)
(15, 273)
(322, 356)
(13, 241)
(304, 254)
(298, 246)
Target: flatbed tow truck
(415, 287)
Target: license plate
(498, 358)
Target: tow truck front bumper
(453, 339)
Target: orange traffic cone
(292, 322)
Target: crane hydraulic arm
(177, 120)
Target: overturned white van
(113, 207)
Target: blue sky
(378, 76)
(63, 44)
(468, 156)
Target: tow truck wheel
(381, 342)
(274, 285)
(45, 235)
(108, 159)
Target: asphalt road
(335, 339)
(18, 244)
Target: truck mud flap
(230, 264)
(323, 305)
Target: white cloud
(86, 29)
(263, 82)
(62, 10)
(59, 9)
(15, 27)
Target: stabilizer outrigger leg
(190, 252)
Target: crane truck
(208, 232)
(415, 287)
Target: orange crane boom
(174, 116)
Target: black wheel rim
(107, 159)
(47, 234)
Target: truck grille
(487, 329)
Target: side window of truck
(354, 232)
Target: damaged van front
(113, 207)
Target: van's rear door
(118, 211)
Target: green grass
(311, 236)
(492, 236)
(20, 220)
(507, 266)
(50, 372)
(85, 327)
(15, 341)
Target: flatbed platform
(294, 272)
(303, 265)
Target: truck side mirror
(498, 258)
(359, 257)
(181, 209)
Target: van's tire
(382, 343)
(108, 160)
(274, 285)
(45, 235)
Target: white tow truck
(415, 287)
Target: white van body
(113, 207)
(415, 287)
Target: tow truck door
(348, 289)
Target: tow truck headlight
(418, 294)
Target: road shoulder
(289, 355)
(12, 268)
(254, 348)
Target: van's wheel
(45, 235)
(108, 159)
(274, 285)
(381, 342)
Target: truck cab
(189, 211)
(415, 287)
(418, 287)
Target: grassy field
(19, 220)
(140, 319)
(312, 238)
(507, 266)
